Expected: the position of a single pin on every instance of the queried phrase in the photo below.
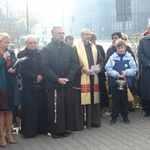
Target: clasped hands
(62, 80)
(122, 75)
(39, 79)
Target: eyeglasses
(86, 34)
(60, 33)
(114, 38)
(32, 43)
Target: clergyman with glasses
(34, 99)
(86, 88)
(59, 66)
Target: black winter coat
(58, 61)
(30, 68)
(144, 59)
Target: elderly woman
(9, 94)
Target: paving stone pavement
(120, 136)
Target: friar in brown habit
(59, 66)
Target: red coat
(147, 32)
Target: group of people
(63, 85)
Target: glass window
(127, 25)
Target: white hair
(84, 30)
(30, 36)
(123, 34)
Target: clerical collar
(88, 44)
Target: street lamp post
(7, 8)
(27, 17)
(103, 31)
(63, 15)
(123, 16)
(8, 15)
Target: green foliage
(14, 22)
(133, 42)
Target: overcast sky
(50, 12)
(48, 6)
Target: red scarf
(7, 61)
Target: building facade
(100, 16)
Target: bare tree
(14, 22)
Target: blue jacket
(118, 63)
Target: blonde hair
(120, 43)
(4, 36)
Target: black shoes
(95, 126)
(113, 120)
(66, 134)
(126, 120)
(131, 109)
(56, 136)
(146, 114)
